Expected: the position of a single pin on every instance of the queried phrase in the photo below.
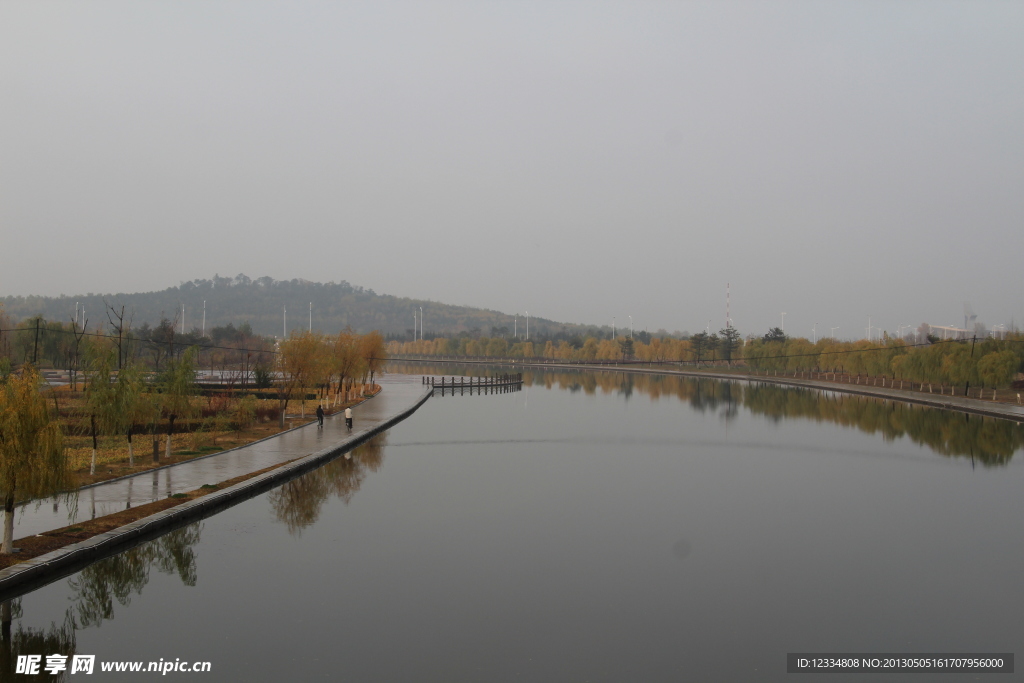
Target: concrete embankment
(26, 576)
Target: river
(592, 527)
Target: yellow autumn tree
(33, 462)
(304, 360)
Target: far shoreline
(974, 406)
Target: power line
(130, 339)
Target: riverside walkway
(399, 393)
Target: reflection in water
(118, 577)
(989, 441)
(55, 640)
(298, 502)
(96, 588)
(93, 592)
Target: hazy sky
(833, 160)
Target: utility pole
(833, 331)
(421, 323)
(973, 342)
(630, 326)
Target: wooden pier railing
(498, 384)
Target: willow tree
(304, 360)
(346, 359)
(374, 352)
(177, 385)
(117, 403)
(100, 401)
(33, 462)
(997, 368)
(134, 407)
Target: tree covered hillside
(261, 303)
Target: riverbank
(813, 380)
(113, 462)
(30, 573)
(33, 546)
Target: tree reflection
(57, 639)
(298, 503)
(125, 574)
(990, 441)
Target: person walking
(320, 415)
(348, 418)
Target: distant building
(943, 331)
(950, 332)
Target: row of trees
(990, 362)
(328, 364)
(70, 345)
(132, 398)
(699, 347)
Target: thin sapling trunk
(131, 453)
(92, 463)
(6, 548)
(170, 430)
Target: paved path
(399, 393)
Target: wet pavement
(399, 393)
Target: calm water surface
(589, 528)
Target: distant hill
(261, 303)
